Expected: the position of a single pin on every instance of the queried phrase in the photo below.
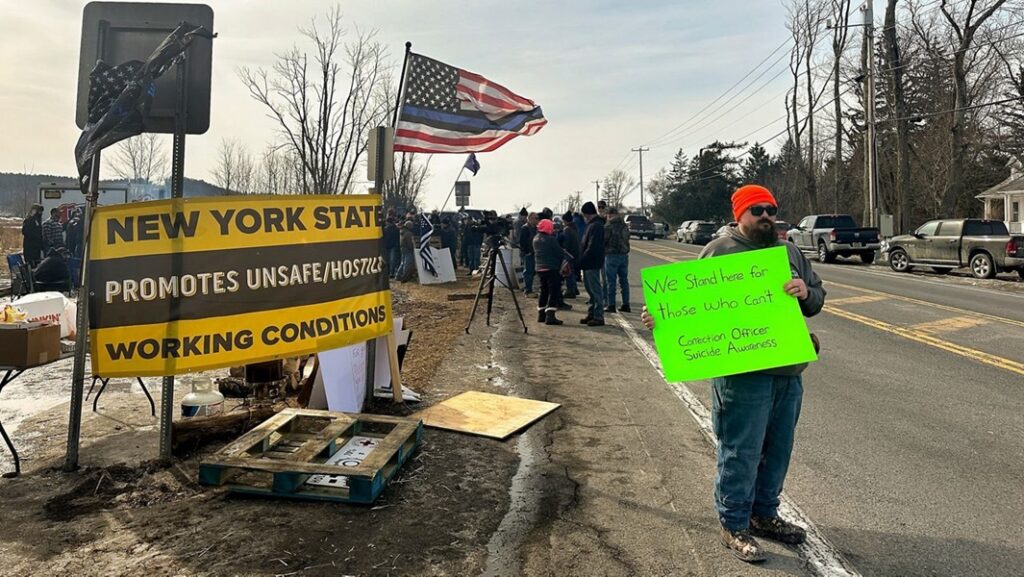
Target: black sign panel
(117, 32)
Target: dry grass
(435, 322)
(10, 239)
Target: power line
(663, 141)
(973, 46)
(691, 131)
(766, 140)
(954, 110)
(713, 102)
(762, 87)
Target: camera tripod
(487, 280)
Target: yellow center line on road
(923, 338)
(912, 300)
(911, 333)
(949, 325)
(663, 248)
(857, 300)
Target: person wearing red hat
(754, 415)
(548, 255)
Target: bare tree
(139, 159)
(840, 38)
(965, 24)
(403, 191)
(276, 172)
(571, 203)
(325, 102)
(245, 171)
(225, 174)
(616, 186)
(805, 22)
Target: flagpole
(401, 85)
(461, 170)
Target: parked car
(724, 230)
(985, 246)
(660, 230)
(681, 231)
(699, 232)
(782, 227)
(832, 235)
(640, 226)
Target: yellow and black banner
(199, 283)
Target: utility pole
(597, 191)
(641, 150)
(869, 110)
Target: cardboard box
(47, 307)
(24, 345)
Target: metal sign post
(82, 324)
(177, 191)
(381, 148)
(120, 32)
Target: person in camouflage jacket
(616, 260)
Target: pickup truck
(832, 235)
(985, 246)
(640, 226)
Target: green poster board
(726, 315)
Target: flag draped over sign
(447, 109)
(120, 96)
(425, 253)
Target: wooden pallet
(278, 457)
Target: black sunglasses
(759, 210)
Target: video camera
(497, 226)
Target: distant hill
(18, 191)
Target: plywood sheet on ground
(484, 414)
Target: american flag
(106, 83)
(425, 253)
(447, 109)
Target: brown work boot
(743, 546)
(777, 529)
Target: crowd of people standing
(590, 246)
(48, 245)
(556, 253)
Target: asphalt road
(910, 448)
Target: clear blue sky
(610, 76)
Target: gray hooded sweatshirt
(734, 241)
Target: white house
(1005, 201)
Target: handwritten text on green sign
(726, 315)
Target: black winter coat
(571, 241)
(526, 234)
(593, 245)
(32, 233)
(392, 236)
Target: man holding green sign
(738, 318)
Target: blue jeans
(754, 416)
(473, 257)
(617, 265)
(393, 256)
(528, 271)
(592, 282)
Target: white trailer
(66, 196)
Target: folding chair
(20, 282)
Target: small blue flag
(472, 164)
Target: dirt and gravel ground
(123, 514)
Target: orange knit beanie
(747, 196)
